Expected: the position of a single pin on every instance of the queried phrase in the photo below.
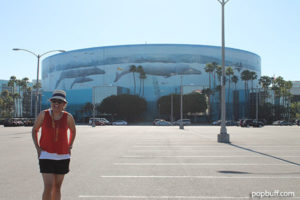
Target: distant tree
(125, 106)
(192, 103)
(87, 109)
(253, 76)
(143, 77)
(140, 70)
(265, 82)
(6, 104)
(133, 69)
(229, 73)
(234, 79)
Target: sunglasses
(57, 101)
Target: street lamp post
(94, 107)
(223, 137)
(256, 104)
(38, 56)
(181, 109)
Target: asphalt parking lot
(148, 162)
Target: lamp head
(15, 49)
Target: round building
(90, 75)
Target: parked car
(163, 123)
(156, 120)
(119, 122)
(240, 123)
(13, 122)
(104, 120)
(277, 122)
(257, 123)
(216, 123)
(231, 123)
(252, 122)
(184, 122)
(99, 123)
(246, 123)
(282, 123)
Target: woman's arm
(72, 127)
(35, 129)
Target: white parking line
(209, 177)
(213, 150)
(233, 156)
(200, 146)
(204, 164)
(160, 197)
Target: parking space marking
(204, 164)
(214, 146)
(160, 197)
(232, 156)
(208, 177)
(212, 150)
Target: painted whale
(76, 73)
(81, 80)
(165, 70)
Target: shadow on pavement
(264, 154)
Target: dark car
(246, 123)
(256, 123)
(231, 123)
(252, 122)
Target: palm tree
(133, 70)
(19, 99)
(140, 70)
(11, 83)
(246, 76)
(265, 82)
(215, 67)
(26, 97)
(253, 76)
(7, 104)
(143, 77)
(234, 79)
(209, 68)
(229, 72)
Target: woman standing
(54, 146)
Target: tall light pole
(223, 136)
(171, 117)
(181, 107)
(256, 104)
(38, 56)
(94, 108)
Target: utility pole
(171, 117)
(181, 109)
(223, 137)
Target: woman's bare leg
(48, 184)
(56, 190)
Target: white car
(163, 123)
(119, 122)
(184, 122)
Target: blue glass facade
(79, 71)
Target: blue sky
(268, 28)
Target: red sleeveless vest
(54, 137)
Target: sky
(268, 28)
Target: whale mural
(81, 80)
(165, 70)
(76, 73)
